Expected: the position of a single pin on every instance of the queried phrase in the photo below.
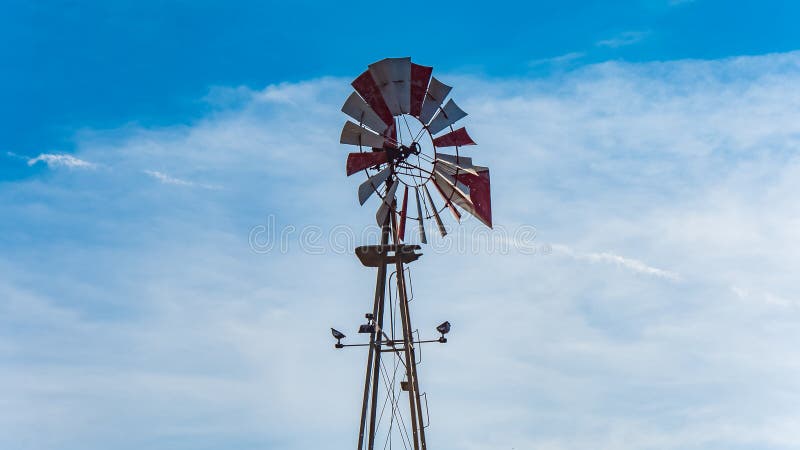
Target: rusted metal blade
(356, 135)
(387, 204)
(460, 187)
(372, 184)
(437, 91)
(420, 77)
(435, 211)
(470, 181)
(358, 109)
(447, 116)
(452, 164)
(368, 89)
(479, 193)
(360, 161)
(458, 137)
(448, 193)
(393, 77)
(422, 237)
(391, 135)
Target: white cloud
(167, 179)
(16, 156)
(560, 60)
(61, 160)
(623, 39)
(608, 257)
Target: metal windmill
(398, 110)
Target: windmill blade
(368, 90)
(372, 184)
(479, 193)
(355, 135)
(391, 134)
(452, 164)
(393, 77)
(438, 219)
(454, 138)
(420, 77)
(360, 161)
(422, 237)
(437, 91)
(401, 229)
(358, 109)
(460, 189)
(449, 115)
(386, 204)
(447, 194)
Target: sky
(177, 227)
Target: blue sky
(177, 228)
(69, 65)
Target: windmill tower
(400, 124)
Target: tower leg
(413, 367)
(376, 369)
(415, 409)
(374, 355)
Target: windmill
(407, 142)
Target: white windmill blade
(454, 193)
(448, 115)
(447, 201)
(355, 135)
(393, 76)
(453, 172)
(372, 184)
(438, 219)
(437, 91)
(452, 162)
(450, 177)
(386, 204)
(358, 109)
(422, 237)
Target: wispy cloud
(54, 160)
(623, 39)
(175, 181)
(631, 264)
(559, 60)
(16, 156)
(167, 179)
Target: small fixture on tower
(444, 328)
(338, 335)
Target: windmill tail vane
(400, 121)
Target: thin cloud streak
(623, 39)
(53, 160)
(631, 264)
(174, 181)
(561, 60)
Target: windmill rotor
(405, 127)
